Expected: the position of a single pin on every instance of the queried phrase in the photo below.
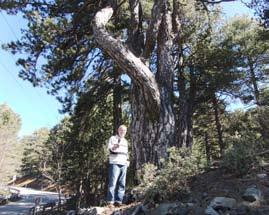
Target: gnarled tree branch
(132, 65)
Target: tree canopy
(11, 150)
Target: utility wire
(35, 91)
(14, 34)
(18, 83)
(9, 26)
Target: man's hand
(115, 146)
(127, 163)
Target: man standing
(118, 163)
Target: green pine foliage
(34, 145)
(85, 166)
(219, 61)
(10, 148)
(171, 181)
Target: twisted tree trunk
(117, 112)
(153, 121)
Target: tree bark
(127, 61)
(152, 30)
(143, 130)
(254, 83)
(142, 126)
(186, 109)
(218, 125)
(153, 121)
(165, 77)
(185, 126)
(207, 148)
(117, 111)
(151, 138)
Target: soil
(219, 183)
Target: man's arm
(112, 146)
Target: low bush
(170, 181)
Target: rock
(241, 210)
(184, 209)
(210, 211)
(259, 211)
(72, 212)
(136, 195)
(204, 194)
(164, 208)
(262, 176)
(172, 209)
(252, 194)
(220, 203)
(266, 195)
(129, 198)
(91, 211)
(223, 203)
(197, 211)
(99, 210)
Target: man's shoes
(118, 204)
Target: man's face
(122, 131)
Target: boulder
(210, 211)
(164, 208)
(252, 194)
(266, 195)
(223, 203)
(262, 175)
(172, 209)
(259, 211)
(220, 203)
(72, 212)
(241, 210)
(91, 211)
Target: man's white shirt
(120, 154)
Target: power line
(9, 26)
(14, 34)
(27, 97)
(35, 91)
(12, 75)
(18, 83)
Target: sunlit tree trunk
(153, 121)
(254, 83)
(186, 109)
(117, 110)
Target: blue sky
(36, 108)
(236, 8)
